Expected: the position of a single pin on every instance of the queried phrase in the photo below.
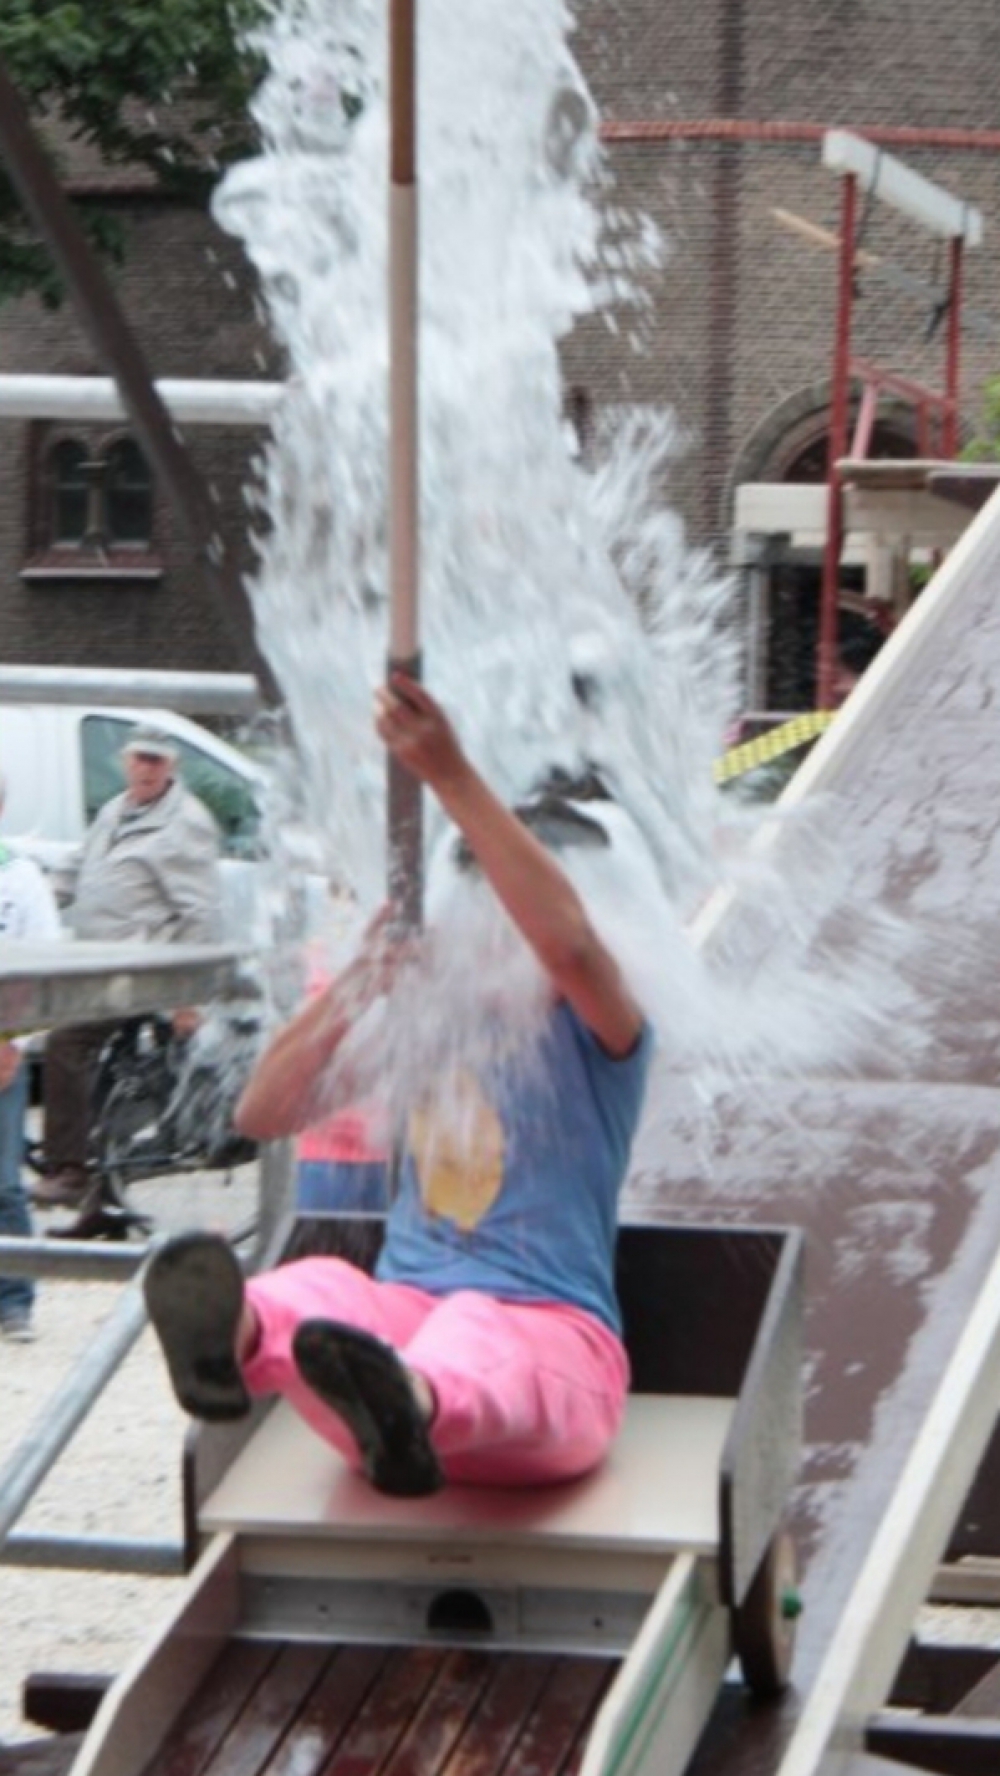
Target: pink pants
(525, 1394)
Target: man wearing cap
(149, 868)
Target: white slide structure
(895, 1178)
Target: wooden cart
(582, 1627)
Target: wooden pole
(405, 813)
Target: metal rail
(64, 982)
(62, 1415)
(105, 1554)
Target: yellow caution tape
(772, 745)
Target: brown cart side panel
(763, 1450)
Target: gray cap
(152, 740)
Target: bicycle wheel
(129, 1143)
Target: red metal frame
(929, 405)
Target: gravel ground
(119, 1476)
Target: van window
(225, 793)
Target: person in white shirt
(27, 915)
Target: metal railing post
(62, 1415)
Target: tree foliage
(984, 446)
(158, 84)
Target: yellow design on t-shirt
(457, 1143)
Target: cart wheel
(764, 1623)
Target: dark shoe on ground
(194, 1293)
(364, 1382)
(62, 1189)
(99, 1217)
(17, 1327)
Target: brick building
(741, 333)
(738, 339)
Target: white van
(62, 761)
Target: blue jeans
(16, 1293)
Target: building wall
(740, 330)
(185, 292)
(743, 315)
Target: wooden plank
(270, 1711)
(515, 1684)
(197, 1734)
(329, 1711)
(681, 1344)
(983, 1700)
(935, 1675)
(861, 1764)
(387, 1712)
(563, 1712)
(656, 1492)
(946, 1744)
(428, 1741)
(972, 1580)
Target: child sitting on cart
(486, 1349)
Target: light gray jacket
(155, 875)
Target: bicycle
(162, 1105)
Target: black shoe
(366, 1385)
(194, 1294)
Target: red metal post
(949, 437)
(826, 660)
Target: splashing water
(565, 623)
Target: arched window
(68, 492)
(95, 518)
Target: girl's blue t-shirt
(511, 1186)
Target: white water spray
(565, 622)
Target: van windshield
(225, 793)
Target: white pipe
(886, 177)
(190, 693)
(87, 398)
